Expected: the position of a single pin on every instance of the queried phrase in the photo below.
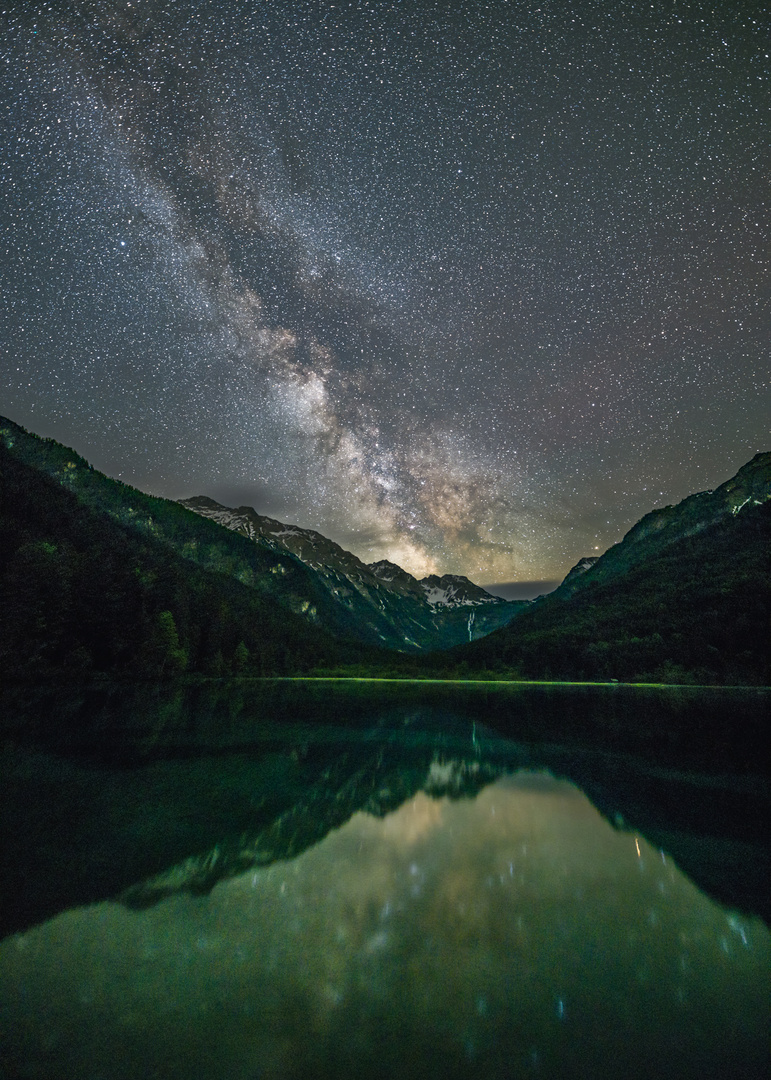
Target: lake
(296, 878)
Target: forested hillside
(696, 611)
(97, 577)
(85, 592)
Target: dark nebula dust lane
(466, 287)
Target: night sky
(467, 286)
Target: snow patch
(755, 502)
(440, 597)
(451, 596)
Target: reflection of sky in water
(515, 934)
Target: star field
(466, 286)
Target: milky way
(470, 287)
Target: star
(474, 291)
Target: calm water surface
(457, 915)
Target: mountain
(751, 486)
(684, 597)
(578, 570)
(454, 591)
(97, 577)
(386, 605)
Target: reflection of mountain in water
(202, 784)
(511, 934)
(376, 783)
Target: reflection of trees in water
(217, 778)
(447, 938)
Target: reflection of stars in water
(496, 963)
(471, 291)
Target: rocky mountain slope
(684, 597)
(391, 606)
(751, 486)
(97, 578)
(62, 522)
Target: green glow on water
(497, 682)
(363, 876)
(514, 933)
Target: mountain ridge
(98, 579)
(684, 597)
(330, 589)
(435, 612)
(751, 485)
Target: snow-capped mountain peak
(393, 606)
(454, 590)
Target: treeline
(697, 612)
(84, 592)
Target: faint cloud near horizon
(520, 590)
